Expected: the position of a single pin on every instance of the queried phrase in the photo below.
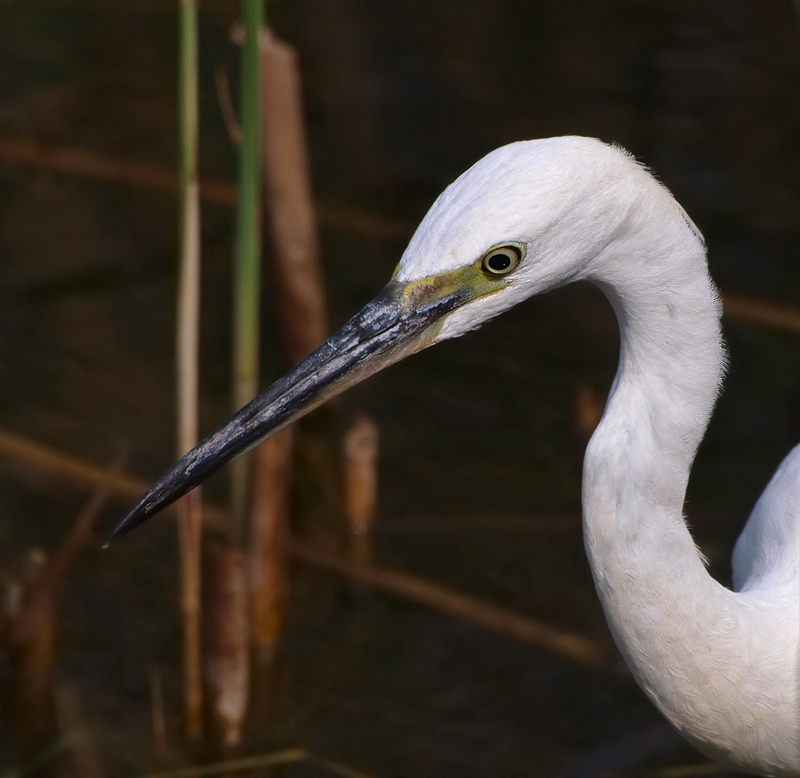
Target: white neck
(674, 624)
(705, 655)
(671, 362)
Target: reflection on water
(401, 97)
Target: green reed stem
(247, 276)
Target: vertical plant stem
(360, 451)
(227, 658)
(247, 277)
(32, 624)
(299, 289)
(268, 572)
(30, 644)
(188, 336)
(300, 300)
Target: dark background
(401, 97)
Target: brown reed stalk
(190, 525)
(300, 293)
(300, 301)
(31, 628)
(398, 584)
(78, 536)
(565, 645)
(268, 583)
(147, 177)
(764, 312)
(227, 667)
(29, 456)
(32, 458)
(190, 536)
(360, 453)
(29, 641)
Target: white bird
(722, 666)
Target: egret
(722, 665)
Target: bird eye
(501, 261)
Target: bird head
(526, 218)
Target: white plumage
(723, 666)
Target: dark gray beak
(400, 321)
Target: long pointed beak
(400, 321)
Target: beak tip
(136, 516)
(171, 487)
(123, 528)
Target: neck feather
(648, 572)
(670, 370)
(638, 461)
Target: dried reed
(300, 294)
(32, 618)
(190, 525)
(227, 666)
(360, 450)
(57, 463)
(300, 300)
(574, 648)
(267, 569)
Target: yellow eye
(501, 261)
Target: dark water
(400, 98)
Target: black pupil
(499, 262)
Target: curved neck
(649, 575)
(671, 362)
